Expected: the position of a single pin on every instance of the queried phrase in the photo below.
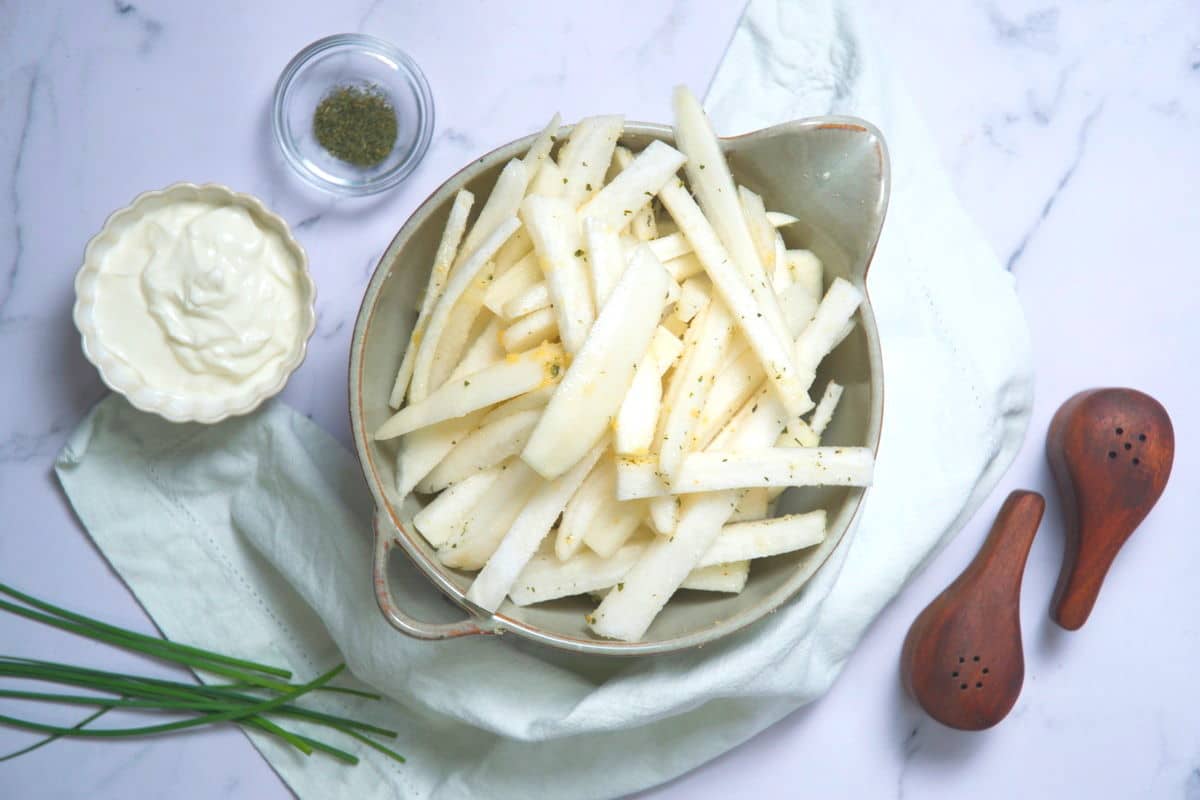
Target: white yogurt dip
(199, 300)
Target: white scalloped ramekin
(119, 377)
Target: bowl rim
(140, 394)
(495, 622)
(406, 66)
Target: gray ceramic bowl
(832, 173)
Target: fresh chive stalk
(253, 692)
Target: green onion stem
(151, 688)
(158, 650)
(270, 727)
(289, 737)
(238, 701)
(53, 737)
(141, 637)
(387, 751)
(167, 727)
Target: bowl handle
(429, 631)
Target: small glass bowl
(354, 60)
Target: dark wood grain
(962, 659)
(1111, 452)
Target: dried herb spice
(356, 124)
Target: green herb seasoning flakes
(356, 124)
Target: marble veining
(1059, 188)
(1037, 30)
(14, 189)
(1067, 127)
(152, 29)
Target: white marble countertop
(1070, 132)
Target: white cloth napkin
(252, 536)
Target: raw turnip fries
(602, 394)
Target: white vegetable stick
(516, 248)
(694, 294)
(717, 470)
(549, 181)
(664, 511)
(573, 138)
(762, 234)
(633, 433)
(530, 330)
(523, 275)
(666, 347)
(774, 354)
(539, 151)
(691, 335)
(484, 351)
(758, 423)
(534, 298)
(806, 270)
(709, 176)
(730, 578)
(526, 533)
(547, 578)
(502, 204)
(684, 267)
(492, 517)
(740, 373)
(674, 325)
(622, 158)
(825, 407)
(672, 292)
(516, 375)
(668, 247)
(733, 387)
(780, 220)
(821, 335)
(798, 434)
(462, 280)
(738, 378)
(635, 186)
(481, 449)
(536, 399)
(767, 537)
(798, 308)
(781, 275)
(581, 509)
(554, 228)
(662, 567)
(456, 333)
(590, 394)
(443, 518)
(423, 449)
(737, 349)
(585, 161)
(675, 387)
(456, 224)
(644, 225)
(612, 526)
(605, 259)
(637, 477)
(753, 505)
(678, 435)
